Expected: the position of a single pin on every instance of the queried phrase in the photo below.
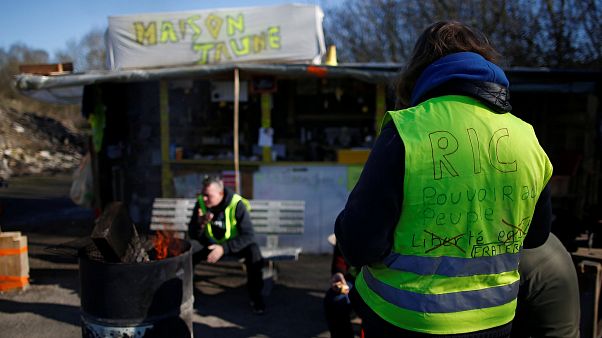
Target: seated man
(221, 225)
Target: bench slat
(167, 204)
(168, 219)
(282, 253)
(168, 226)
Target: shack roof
(68, 88)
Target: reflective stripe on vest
(443, 302)
(472, 179)
(450, 323)
(230, 219)
(452, 266)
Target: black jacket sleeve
(364, 229)
(338, 263)
(246, 235)
(541, 223)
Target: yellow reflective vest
(472, 179)
(230, 219)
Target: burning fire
(166, 245)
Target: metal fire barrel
(151, 299)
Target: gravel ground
(50, 307)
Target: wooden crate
(14, 262)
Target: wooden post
(380, 107)
(236, 104)
(592, 161)
(166, 184)
(266, 122)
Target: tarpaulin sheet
(280, 34)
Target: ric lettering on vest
(457, 155)
(444, 144)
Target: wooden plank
(169, 219)
(114, 232)
(174, 201)
(276, 221)
(168, 226)
(380, 109)
(277, 204)
(589, 274)
(236, 136)
(282, 253)
(266, 122)
(277, 210)
(166, 175)
(173, 206)
(47, 69)
(262, 226)
(278, 217)
(171, 213)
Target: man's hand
(217, 251)
(204, 218)
(338, 283)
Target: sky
(49, 24)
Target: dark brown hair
(438, 40)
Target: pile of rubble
(31, 144)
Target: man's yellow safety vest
(230, 219)
(472, 179)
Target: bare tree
(10, 60)
(591, 12)
(368, 31)
(553, 33)
(86, 54)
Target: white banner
(279, 34)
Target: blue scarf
(464, 65)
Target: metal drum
(151, 299)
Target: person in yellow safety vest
(221, 225)
(454, 187)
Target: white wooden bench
(271, 218)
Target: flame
(166, 245)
